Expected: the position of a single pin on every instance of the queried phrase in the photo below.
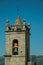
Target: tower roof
(18, 21)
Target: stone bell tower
(17, 43)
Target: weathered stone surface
(23, 47)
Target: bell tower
(17, 43)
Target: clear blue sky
(32, 10)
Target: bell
(15, 50)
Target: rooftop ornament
(24, 22)
(7, 22)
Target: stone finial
(7, 25)
(7, 22)
(15, 28)
(24, 22)
(29, 25)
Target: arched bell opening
(15, 47)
